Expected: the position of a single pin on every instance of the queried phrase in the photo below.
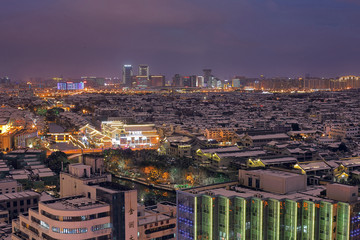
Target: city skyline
(179, 120)
(273, 38)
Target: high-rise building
(236, 82)
(177, 81)
(144, 70)
(283, 209)
(186, 81)
(127, 75)
(157, 81)
(207, 76)
(200, 81)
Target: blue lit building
(64, 86)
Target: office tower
(189, 81)
(74, 217)
(144, 70)
(177, 81)
(282, 210)
(157, 81)
(186, 81)
(193, 81)
(212, 82)
(127, 75)
(207, 76)
(236, 83)
(200, 81)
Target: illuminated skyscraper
(144, 70)
(207, 76)
(200, 81)
(127, 75)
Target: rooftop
(25, 194)
(269, 136)
(73, 203)
(311, 193)
(273, 172)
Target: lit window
(44, 224)
(100, 227)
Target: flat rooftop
(273, 172)
(151, 217)
(73, 203)
(269, 136)
(20, 195)
(311, 194)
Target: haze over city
(233, 37)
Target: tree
(343, 147)
(295, 127)
(57, 161)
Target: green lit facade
(202, 216)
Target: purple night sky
(47, 38)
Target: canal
(148, 195)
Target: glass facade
(289, 211)
(237, 218)
(202, 216)
(187, 221)
(343, 221)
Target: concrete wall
(271, 181)
(79, 170)
(342, 193)
(131, 225)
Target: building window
(69, 230)
(100, 227)
(21, 202)
(44, 224)
(250, 182)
